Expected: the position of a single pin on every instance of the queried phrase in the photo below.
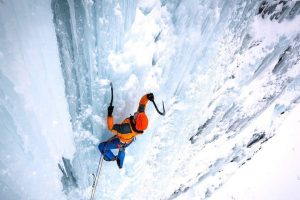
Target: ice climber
(124, 132)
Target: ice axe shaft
(112, 94)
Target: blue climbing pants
(114, 143)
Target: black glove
(110, 110)
(150, 97)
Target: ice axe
(161, 113)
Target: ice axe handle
(112, 94)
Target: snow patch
(271, 31)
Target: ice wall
(87, 32)
(35, 126)
(227, 70)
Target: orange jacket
(126, 131)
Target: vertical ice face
(87, 32)
(227, 70)
(35, 127)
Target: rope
(97, 178)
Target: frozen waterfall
(228, 72)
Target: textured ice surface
(228, 72)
